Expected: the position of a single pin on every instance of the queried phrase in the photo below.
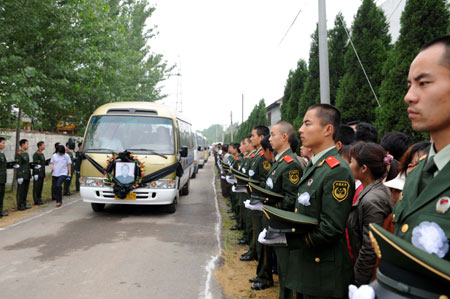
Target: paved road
(123, 252)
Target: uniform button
(296, 210)
(443, 297)
(293, 230)
(393, 216)
(405, 228)
(317, 259)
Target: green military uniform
(23, 172)
(39, 159)
(283, 178)
(248, 231)
(234, 195)
(68, 182)
(319, 261)
(3, 163)
(426, 197)
(407, 270)
(259, 170)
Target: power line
(359, 60)
(398, 4)
(290, 27)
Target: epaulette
(288, 159)
(332, 161)
(423, 157)
(38, 152)
(252, 155)
(237, 159)
(261, 153)
(246, 157)
(67, 151)
(19, 152)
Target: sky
(225, 49)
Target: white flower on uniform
(251, 173)
(363, 292)
(269, 183)
(304, 199)
(430, 237)
(243, 170)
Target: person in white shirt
(60, 164)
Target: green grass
(10, 202)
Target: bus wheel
(97, 207)
(185, 189)
(172, 207)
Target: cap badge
(442, 205)
(304, 199)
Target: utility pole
(323, 55)
(231, 116)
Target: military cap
(260, 194)
(408, 270)
(281, 221)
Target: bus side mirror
(184, 152)
(199, 148)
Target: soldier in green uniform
(283, 178)
(246, 148)
(319, 262)
(424, 209)
(237, 160)
(258, 171)
(70, 147)
(3, 166)
(23, 176)
(39, 173)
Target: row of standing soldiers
(27, 170)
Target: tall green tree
(311, 91)
(370, 36)
(297, 86)
(258, 116)
(421, 21)
(337, 45)
(213, 133)
(286, 106)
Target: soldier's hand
(19, 181)
(36, 177)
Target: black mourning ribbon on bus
(120, 189)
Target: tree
(213, 133)
(258, 116)
(421, 21)
(311, 91)
(295, 83)
(370, 36)
(337, 45)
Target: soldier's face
(42, 147)
(256, 140)
(312, 133)
(428, 96)
(25, 146)
(277, 140)
(2, 145)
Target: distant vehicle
(148, 132)
(196, 155)
(201, 149)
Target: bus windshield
(142, 134)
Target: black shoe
(242, 242)
(244, 254)
(4, 214)
(234, 227)
(230, 211)
(27, 207)
(246, 258)
(257, 286)
(232, 217)
(229, 204)
(254, 280)
(39, 203)
(67, 194)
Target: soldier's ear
(328, 130)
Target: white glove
(36, 177)
(278, 240)
(255, 207)
(37, 166)
(16, 166)
(239, 189)
(231, 180)
(19, 181)
(363, 292)
(243, 170)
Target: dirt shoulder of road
(233, 274)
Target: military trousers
(255, 246)
(282, 254)
(37, 190)
(2, 196)
(264, 268)
(67, 184)
(22, 192)
(77, 181)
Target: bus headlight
(91, 182)
(163, 184)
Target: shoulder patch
(294, 176)
(266, 165)
(340, 190)
(261, 153)
(288, 159)
(252, 155)
(332, 161)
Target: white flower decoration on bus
(430, 237)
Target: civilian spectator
(366, 132)
(60, 164)
(412, 156)
(395, 143)
(353, 124)
(369, 165)
(346, 136)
